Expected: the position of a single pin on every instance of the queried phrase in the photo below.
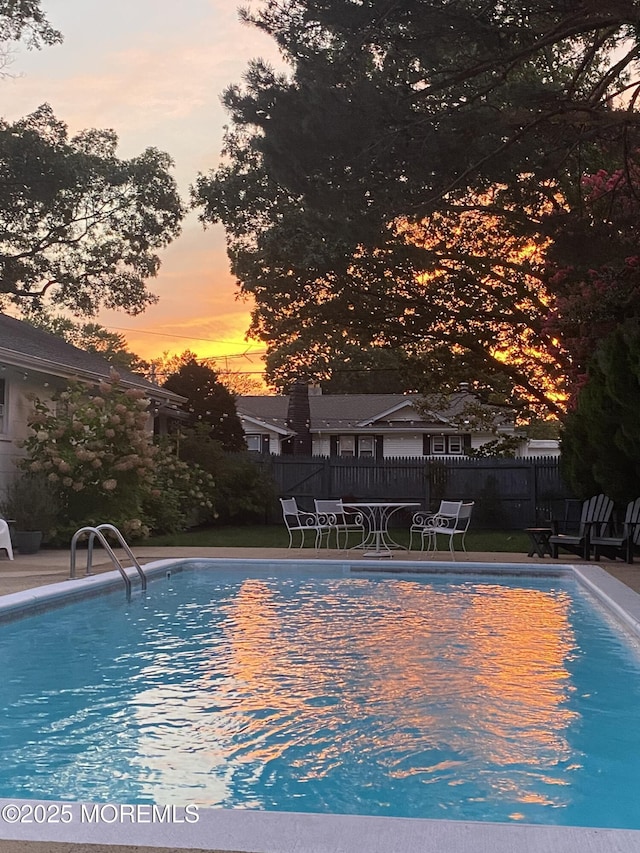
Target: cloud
(154, 70)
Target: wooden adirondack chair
(594, 520)
(624, 545)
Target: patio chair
(422, 521)
(5, 539)
(340, 519)
(624, 545)
(455, 524)
(297, 520)
(594, 521)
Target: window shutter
(379, 451)
(466, 444)
(265, 443)
(426, 445)
(333, 445)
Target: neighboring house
(34, 363)
(537, 447)
(369, 425)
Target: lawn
(274, 536)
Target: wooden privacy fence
(508, 493)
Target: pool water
(446, 697)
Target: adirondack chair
(594, 521)
(624, 545)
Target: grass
(275, 536)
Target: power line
(171, 335)
(247, 354)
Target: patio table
(539, 537)
(378, 542)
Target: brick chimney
(299, 419)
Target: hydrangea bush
(97, 454)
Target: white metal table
(378, 541)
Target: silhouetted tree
(209, 402)
(400, 185)
(601, 437)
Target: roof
(362, 412)
(25, 347)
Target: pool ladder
(97, 533)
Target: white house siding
(394, 444)
(538, 447)
(19, 394)
(478, 440)
(275, 439)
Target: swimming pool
(442, 696)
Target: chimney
(315, 389)
(299, 419)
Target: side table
(540, 544)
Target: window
(455, 444)
(366, 446)
(258, 442)
(347, 445)
(438, 444)
(443, 445)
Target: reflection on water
(462, 687)
(390, 696)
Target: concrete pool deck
(291, 833)
(31, 570)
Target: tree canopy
(601, 437)
(24, 20)
(415, 180)
(78, 225)
(209, 403)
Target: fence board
(508, 493)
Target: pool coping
(252, 831)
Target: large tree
(601, 435)
(209, 403)
(79, 226)
(404, 183)
(24, 20)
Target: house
(34, 363)
(371, 425)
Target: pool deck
(28, 571)
(290, 833)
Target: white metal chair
(422, 522)
(5, 539)
(451, 525)
(340, 519)
(297, 520)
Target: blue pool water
(446, 697)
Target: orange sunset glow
(156, 79)
(480, 674)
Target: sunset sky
(154, 70)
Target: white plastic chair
(5, 538)
(340, 519)
(422, 522)
(451, 525)
(297, 520)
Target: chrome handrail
(97, 532)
